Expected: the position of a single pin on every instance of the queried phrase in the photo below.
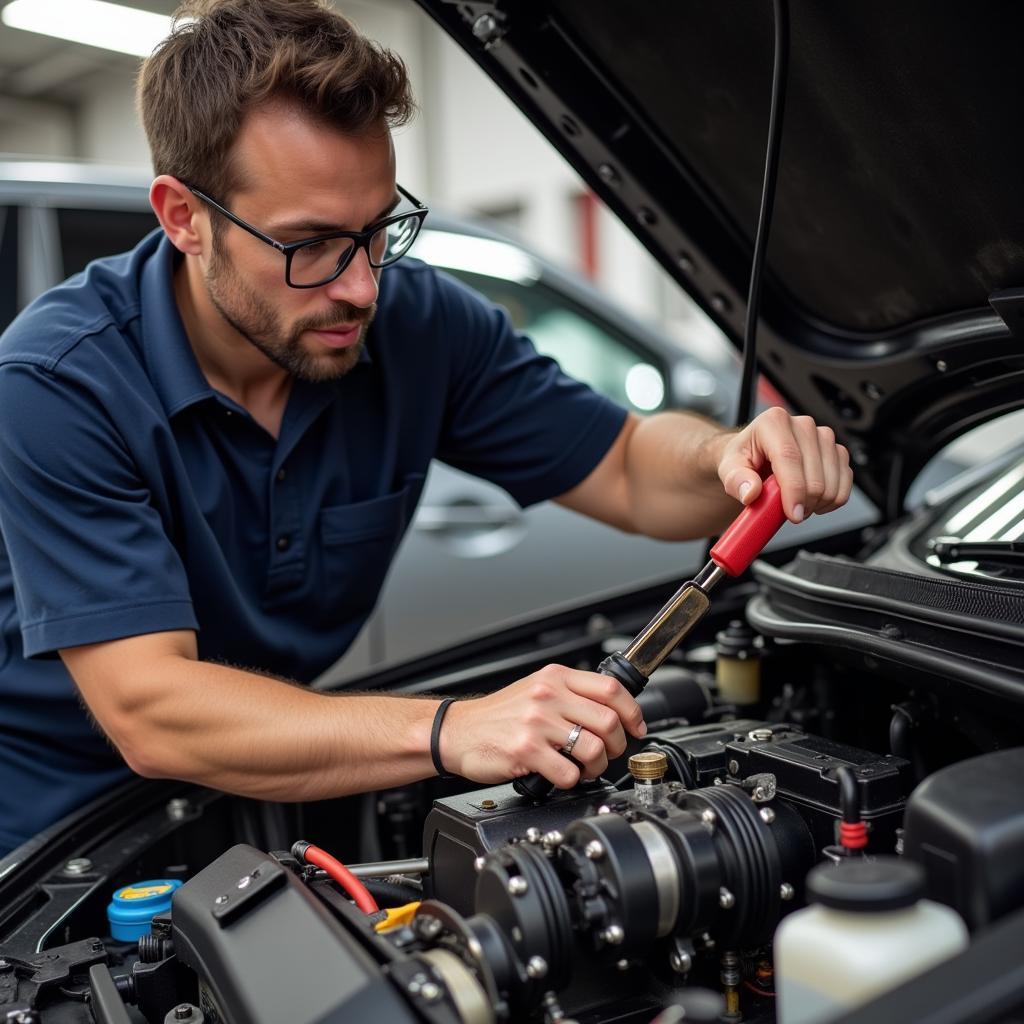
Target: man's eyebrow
(320, 227)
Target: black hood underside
(897, 242)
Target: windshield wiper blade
(1001, 552)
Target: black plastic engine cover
(237, 934)
(965, 824)
(805, 769)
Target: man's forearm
(671, 463)
(263, 738)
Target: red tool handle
(750, 530)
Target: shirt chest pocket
(357, 543)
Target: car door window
(86, 235)
(585, 347)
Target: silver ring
(566, 747)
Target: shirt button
(284, 543)
(281, 474)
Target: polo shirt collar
(172, 364)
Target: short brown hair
(233, 56)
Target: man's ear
(177, 209)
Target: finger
(830, 465)
(805, 430)
(589, 751)
(555, 767)
(845, 480)
(600, 720)
(610, 692)
(738, 470)
(773, 433)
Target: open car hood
(890, 308)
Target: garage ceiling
(40, 67)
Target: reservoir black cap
(879, 883)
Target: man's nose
(357, 284)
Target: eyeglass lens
(318, 262)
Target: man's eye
(312, 251)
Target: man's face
(300, 179)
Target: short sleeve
(90, 557)
(513, 417)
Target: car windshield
(980, 532)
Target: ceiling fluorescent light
(93, 22)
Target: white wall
(108, 127)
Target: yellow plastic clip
(397, 916)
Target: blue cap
(134, 906)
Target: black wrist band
(435, 737)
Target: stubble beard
(256, 320)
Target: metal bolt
(941, 365)
(786, 891)
(183, 1011)
(593, 850)
(488, 805)
(680, 962)
(478, 864)
(428, 926)
(608, 174)
(604, 809)
(767, 815)
(221, 900)
(4, 965)
(25, 1017)
(734, 767)
(178, 808)
(431, 992)
(726, 900)
(613, 935)
(761, 735)
(708, 816)
(553, 838)
(536, 967)
(244, 882)
(486, 29)
(533, 835)
(78, 866)
(873, 391)
(517, 885)
(623, 965)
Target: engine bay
(787, 797)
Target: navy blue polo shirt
(134, 498)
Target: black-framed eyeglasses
(312, 262)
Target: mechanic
(210, 447)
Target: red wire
(341, 874)
(759, 991)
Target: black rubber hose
(748, 393)
(391, 894)
(849, 798)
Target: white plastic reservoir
(867, 931)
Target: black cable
(748, 393)
(849, 798)
(391, 894)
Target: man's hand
(813, 471)
(519, 729)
